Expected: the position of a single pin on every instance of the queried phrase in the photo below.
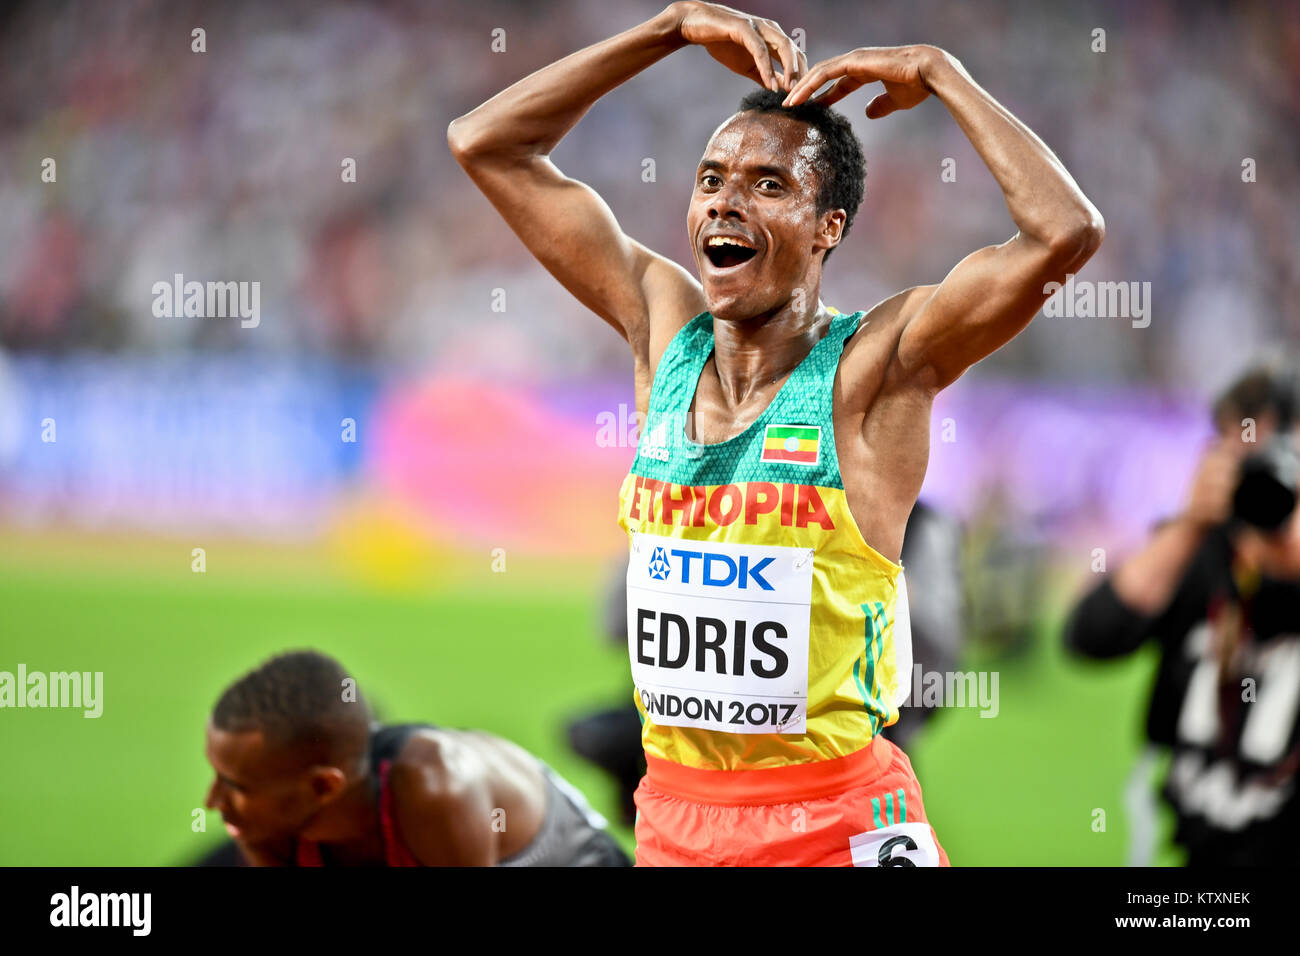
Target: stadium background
(478, 430)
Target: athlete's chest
(711, 419)
(711, 424)
(824, 423)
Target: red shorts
(861, 810)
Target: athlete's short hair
(297, 700)
(839, 162)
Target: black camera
(1266, 491)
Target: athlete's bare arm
(992, 294)
(505, 144)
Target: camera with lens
(1266, 490)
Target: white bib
(903, 844)
(718, 633)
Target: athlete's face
(757, 181)
(261, 791)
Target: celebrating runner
(785, 442)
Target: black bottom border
(966, 904)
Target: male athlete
(785, 443)
(304, 777)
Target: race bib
(904, 844)
(718, 633)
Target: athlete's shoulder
(441, 799)
(892, 312)
(435, 763)
(869, 362)
(447, 830)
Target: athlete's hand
(741, 43)
(901, 68)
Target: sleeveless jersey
(763, 631)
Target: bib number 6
(903, 844)
(886, 854)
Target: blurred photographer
(1218, 586)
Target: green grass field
(515, 653)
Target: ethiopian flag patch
(800, 444)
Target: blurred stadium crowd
(225, 165)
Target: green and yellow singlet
(763, 631)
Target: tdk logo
(659, 566)
(711, 570)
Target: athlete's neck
(752, 354)
(351, 821)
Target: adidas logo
(654, 444)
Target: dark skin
(447, 785)
(768, 312)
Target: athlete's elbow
(460, 138)
(470, 138)
(1076, 238)
(474, 144)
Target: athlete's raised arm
(992, 294)
(504, 146)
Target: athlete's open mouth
(724, 252)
